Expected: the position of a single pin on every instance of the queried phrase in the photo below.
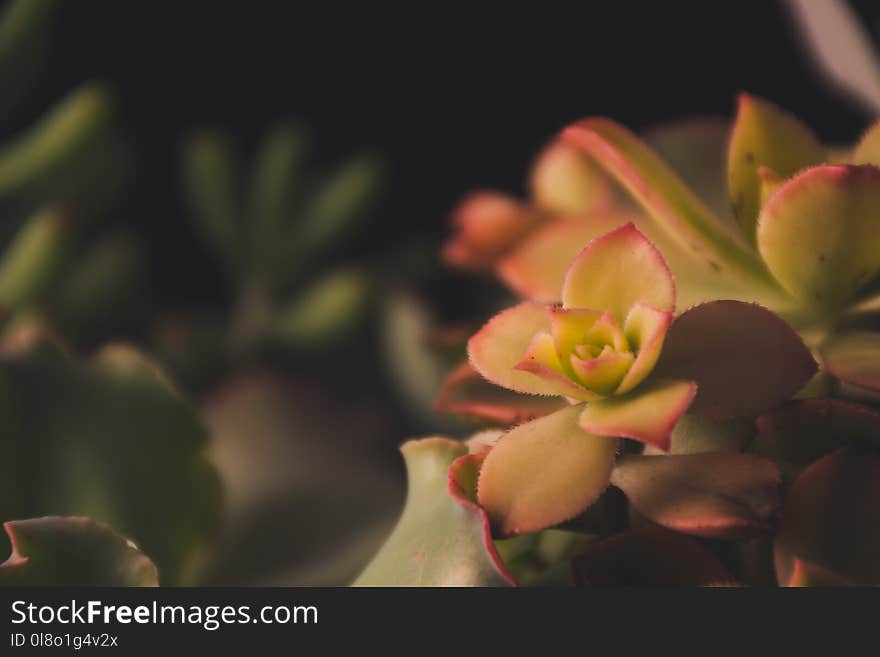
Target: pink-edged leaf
(649, 557)
(616, 271)
(535, 268)
(564, 180)
(648, 414)
(486, 224)
(72, 551)
(442, 537)
(804, 430)
(745, 359)
(544, 472)
(467, 394)
(645, 329)
(666, 198)
(496, 349)
(542, 360)
(710, 495)
(830, 519)
(819, 234)
(764, 135)
(855, 358)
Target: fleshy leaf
(541, 360)
(867, 151)
(648, 414)
(496, 348)
(645, 330)
(709, 495)
(72, 551)
(649, 556)
(467, 394)
(841, 48)
(764, 135)
(820, 234)
(564, 180)
(616, 271)
(666, 198)
(536, 267)
(442, 537)
(744, 358)
(486, 224)
(544, 472)
(830, 519)
(696, 149)
(805, 430)
(695, 434)
(111, 438)
(854, 358)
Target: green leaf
(36, 254)
(275, 187)
(820, 234)
(326, 311)
(71, 551)
(24, 36)
(764, 136)
(544, 472)
(442, 537)
(109, 438)
(342, 200)
(675, 208)
(212, 186)
(695, 434)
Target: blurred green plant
(273, 230)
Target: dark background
(455, 97)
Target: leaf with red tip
(542, 360)
(648, 414)
(649, 556)
(710, 495)
(805, 430)
(666, 198)
(73, 551)
(535, 268)
(544, 472)
(467, 394)
(565, 180)
(764, 135)
(645, 330)
(820, 234)
(616, 271)
(854, 358)
(486, 225)
(830, 519)
(500, 345)
(442, 537)
(744, 358)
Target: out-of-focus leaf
(73, 551)
(695, 434)
(855, 358)
(829, 520)
(442, 537)
(709, 495)
(543, 558)
(37, 253)
(649, 557)
(331, 214)
(211, 183)
(325, 311)
(841, 48)
(98, 288)
(110, 438)
(23, 38)
(311, 482)
(53, 147)
(275, 186)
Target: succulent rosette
(612, 351)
